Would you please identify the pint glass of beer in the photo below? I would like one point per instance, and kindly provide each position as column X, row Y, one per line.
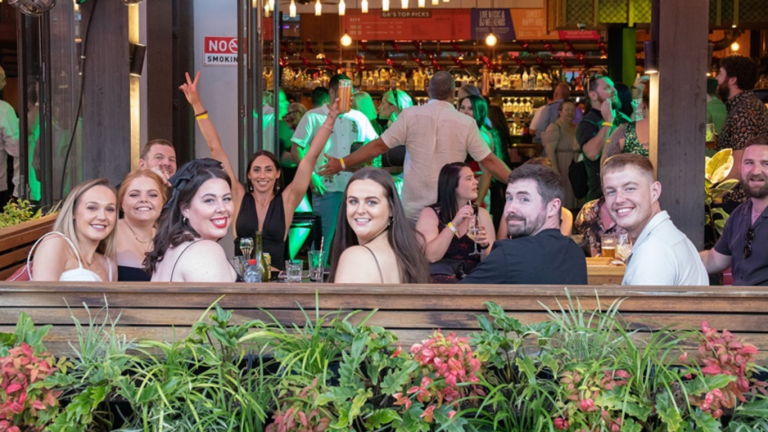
column 345, row 96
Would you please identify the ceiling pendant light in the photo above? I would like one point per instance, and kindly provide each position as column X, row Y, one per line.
column 342, row 8
column 491, row 39
column 435, row 2
column 364, row 6
column 266, row 10
column 404, row 4
column 385, row 5
column 346, row 40
column 318, row 8
column 422, row 3
column 271, row 5
column 292, row 9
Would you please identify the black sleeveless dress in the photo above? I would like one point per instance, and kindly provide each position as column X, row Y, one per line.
column 459, row 249
column 132, row 274
column 273, row 232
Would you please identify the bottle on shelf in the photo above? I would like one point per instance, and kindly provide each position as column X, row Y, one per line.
column 524, row 83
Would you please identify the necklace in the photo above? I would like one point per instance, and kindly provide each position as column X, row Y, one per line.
column 135, row 236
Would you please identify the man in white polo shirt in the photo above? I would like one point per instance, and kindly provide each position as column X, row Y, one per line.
column 350, row 127
column 661, row 254
column 434, row 134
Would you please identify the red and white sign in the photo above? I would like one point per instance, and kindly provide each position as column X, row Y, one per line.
column 220, row 51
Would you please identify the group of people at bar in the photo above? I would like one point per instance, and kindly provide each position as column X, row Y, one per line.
column 437, row 229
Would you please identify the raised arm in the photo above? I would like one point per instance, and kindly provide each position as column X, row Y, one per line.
column 306, row 167
column 614, row 145
column 210, row 135
column 361, row 156
column 551, row 138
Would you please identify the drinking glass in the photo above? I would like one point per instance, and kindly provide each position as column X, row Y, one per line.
column 345, row 96
column 608, row 245
column 316, row 265
column 473, row 232
column 623, row 246
column 293, row 270
column 239, row 263
column 246, row 246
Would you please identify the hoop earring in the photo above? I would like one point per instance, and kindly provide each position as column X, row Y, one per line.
column 184, row 221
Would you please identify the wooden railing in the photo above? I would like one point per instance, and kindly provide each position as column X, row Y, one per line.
column 15, row 242
column 160, row 310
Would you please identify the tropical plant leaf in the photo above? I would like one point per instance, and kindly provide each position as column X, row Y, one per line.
column 719, row 166
column 397, row 379
column 668, row 412
column 705, row 422
column 381, row 417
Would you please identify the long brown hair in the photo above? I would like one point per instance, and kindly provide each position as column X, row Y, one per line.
column 402, row 237
column 172, row 229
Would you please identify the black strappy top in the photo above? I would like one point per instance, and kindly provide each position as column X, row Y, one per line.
column 132, row 274
column 273, row 232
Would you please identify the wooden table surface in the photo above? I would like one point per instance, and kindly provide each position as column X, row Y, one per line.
column 600, row 271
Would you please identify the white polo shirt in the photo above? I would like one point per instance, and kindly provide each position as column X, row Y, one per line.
column 9, row 144
column 434, row 134
column 349, row 128
column 663, row 255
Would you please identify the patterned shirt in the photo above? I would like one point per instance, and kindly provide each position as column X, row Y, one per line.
column 747, row 118
column 589, row 224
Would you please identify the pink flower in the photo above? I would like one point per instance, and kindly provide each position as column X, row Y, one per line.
column 561, row 423
column 397, row 351
column 428, row 414
column 587, row 405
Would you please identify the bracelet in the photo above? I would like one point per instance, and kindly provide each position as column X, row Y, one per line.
column 609, row 124
column 453, row 228
column 481, row 247
column 327, row 127
column 203, row 114
column 343, row 165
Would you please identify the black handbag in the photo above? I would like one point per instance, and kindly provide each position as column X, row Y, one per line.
column 577, row 174
column 448, row 267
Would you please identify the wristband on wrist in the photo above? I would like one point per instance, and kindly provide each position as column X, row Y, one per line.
column 343, row 165
column 453, row 228
column 201, row 115
column 609, row 124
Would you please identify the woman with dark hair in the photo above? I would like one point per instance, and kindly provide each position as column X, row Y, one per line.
column 445, row 224
column 81, row 246
column 506, row 153
column 626, row 109
column 372, row 233
column 263, row 204
column 197, row 216
column 141, row 197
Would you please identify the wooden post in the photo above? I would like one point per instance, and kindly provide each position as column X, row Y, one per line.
column 678, row 111
column 159, row 70
column 106, row 148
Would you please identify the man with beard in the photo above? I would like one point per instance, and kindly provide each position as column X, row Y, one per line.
column 747, row 228
column 661, row 254
column 537, row 254
column 595, row 128
column 747, row 116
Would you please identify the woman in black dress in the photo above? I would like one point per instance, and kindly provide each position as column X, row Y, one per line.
column 262, row 204
column 141, row 198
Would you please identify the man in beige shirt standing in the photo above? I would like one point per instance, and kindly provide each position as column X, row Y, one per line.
column 434, row 134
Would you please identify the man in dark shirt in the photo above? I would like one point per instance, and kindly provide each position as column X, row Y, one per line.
column 742, row 245
column 747, row 116
column 537, row 254
column 595, row 127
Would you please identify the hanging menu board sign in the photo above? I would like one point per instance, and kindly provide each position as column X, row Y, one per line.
column 498, row 21
column 432, row 24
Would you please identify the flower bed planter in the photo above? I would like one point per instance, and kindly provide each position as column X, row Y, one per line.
column 15, row 242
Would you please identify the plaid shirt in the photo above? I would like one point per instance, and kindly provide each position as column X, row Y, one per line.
column 747, row 118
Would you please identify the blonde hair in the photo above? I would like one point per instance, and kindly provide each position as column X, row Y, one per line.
column 65, row 222
column 139, row 173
